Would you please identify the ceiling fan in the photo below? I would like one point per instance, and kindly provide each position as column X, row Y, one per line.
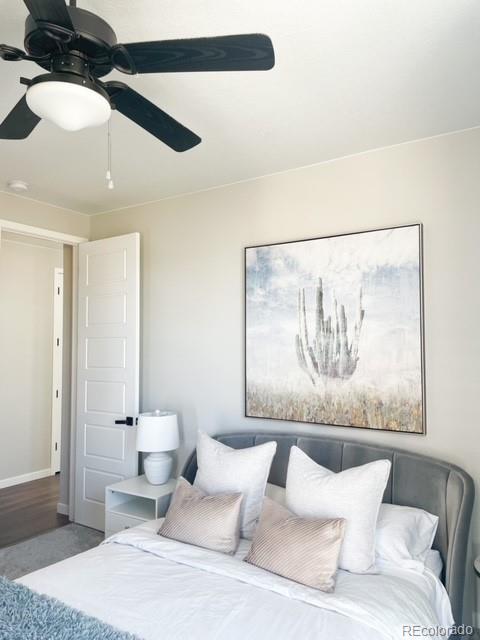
column 77, row 48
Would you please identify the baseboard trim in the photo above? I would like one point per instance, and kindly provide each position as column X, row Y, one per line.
column 63, row 509
column 26, row 477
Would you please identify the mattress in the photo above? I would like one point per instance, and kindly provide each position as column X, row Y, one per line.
column 159, row 588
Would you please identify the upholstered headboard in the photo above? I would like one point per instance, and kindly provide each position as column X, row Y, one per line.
column 417, row 481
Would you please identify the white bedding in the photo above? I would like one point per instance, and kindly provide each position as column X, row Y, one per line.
column 159, row 588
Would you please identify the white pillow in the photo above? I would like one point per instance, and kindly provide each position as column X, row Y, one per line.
column 354, row 494
column 222, row 469
column 405, row 535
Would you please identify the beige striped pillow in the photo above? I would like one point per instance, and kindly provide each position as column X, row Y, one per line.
column 300, row 549
column 212, row 522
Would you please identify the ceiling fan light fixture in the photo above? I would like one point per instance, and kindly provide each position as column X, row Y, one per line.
column 69, row 105
column 79, row 48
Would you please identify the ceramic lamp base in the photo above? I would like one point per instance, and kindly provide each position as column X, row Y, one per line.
column 158, row 467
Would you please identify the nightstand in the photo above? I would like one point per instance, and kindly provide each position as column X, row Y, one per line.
column 134, row 501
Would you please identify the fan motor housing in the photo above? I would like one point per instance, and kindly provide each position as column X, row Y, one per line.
column 94, row 38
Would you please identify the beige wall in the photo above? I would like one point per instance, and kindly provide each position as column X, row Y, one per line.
column 193, row 358
column 26, row 334
column 38, row 214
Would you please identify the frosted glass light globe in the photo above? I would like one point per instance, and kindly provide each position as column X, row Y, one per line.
column 69, row 106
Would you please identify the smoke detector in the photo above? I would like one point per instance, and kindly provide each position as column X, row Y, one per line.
column 19, row 186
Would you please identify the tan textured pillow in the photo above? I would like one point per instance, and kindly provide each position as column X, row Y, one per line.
column 212, row 522
column 300, row 549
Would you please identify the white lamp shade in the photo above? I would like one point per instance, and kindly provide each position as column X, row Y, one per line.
column 69, row 106
column 157, row 431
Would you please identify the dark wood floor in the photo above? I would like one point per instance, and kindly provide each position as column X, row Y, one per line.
column 28, row 509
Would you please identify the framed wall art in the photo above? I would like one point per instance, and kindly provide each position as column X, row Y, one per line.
column 334, row 330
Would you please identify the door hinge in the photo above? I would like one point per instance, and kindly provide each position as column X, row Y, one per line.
column 56, row 393
column 58, row 291
column 58, row 342
column 56, row 446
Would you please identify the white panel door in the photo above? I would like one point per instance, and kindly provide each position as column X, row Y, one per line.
column 108, row 370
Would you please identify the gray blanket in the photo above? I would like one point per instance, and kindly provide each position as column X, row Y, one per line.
column 27, row 615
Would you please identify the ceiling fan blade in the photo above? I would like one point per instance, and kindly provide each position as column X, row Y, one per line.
column 11, row 54
column 148, row 116
column 248, row 52
column 19, row 123
column 50, row 11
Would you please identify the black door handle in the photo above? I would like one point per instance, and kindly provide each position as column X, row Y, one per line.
column 128, row 421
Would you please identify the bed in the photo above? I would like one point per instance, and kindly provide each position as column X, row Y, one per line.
column 159, row 588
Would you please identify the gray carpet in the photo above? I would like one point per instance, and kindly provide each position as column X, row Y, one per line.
column 46, row 549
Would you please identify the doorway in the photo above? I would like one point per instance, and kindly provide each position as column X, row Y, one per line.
column 102, row 322
column 27, row 308
column 35, row 377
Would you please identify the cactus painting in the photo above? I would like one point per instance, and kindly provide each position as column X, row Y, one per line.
column 330, row 354
column 334, row 330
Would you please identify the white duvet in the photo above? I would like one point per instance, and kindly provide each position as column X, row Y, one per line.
column 162, row 589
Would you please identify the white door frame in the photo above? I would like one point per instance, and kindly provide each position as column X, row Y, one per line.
column 38, row 232
column 57, row 371
column 73, row 241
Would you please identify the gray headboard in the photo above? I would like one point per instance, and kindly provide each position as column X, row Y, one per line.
column 417, row 481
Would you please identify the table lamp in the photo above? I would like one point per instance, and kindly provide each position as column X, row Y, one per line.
column 157, row 433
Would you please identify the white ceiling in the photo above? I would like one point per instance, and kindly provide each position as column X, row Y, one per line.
column 349, row 76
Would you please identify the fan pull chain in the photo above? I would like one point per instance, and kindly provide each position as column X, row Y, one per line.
column 109, row 178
